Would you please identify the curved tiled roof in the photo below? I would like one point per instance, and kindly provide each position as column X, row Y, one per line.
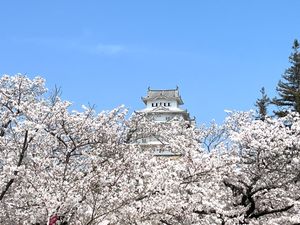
column 168, row 94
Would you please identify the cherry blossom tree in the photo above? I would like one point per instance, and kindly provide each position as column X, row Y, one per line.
column 59, row 166
column 181, row 190
column 80, row 167
column 264, row 185
column 72, row 165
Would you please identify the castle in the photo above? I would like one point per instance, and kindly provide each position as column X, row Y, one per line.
column 163, row 106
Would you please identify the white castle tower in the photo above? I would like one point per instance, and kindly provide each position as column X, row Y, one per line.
column 162, row 106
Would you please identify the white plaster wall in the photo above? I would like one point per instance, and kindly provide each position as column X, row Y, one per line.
column 173, row 104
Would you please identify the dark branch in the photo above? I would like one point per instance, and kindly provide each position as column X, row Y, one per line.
column 21, row 157
column 266, row 212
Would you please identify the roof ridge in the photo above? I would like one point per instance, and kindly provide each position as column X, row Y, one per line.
column 177, row 88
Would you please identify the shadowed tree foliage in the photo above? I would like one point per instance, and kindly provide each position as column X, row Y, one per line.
column 288, row 86
column 262, row 104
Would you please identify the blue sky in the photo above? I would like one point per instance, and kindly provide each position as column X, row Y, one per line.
column 107, row 53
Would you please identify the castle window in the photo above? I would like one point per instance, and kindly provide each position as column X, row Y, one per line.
column 156, row 104
column 169, row 104
column 152, row 104
column 165, row 104
column 160, row 103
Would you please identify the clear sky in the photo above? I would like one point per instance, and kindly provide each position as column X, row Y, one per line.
column 107, row 53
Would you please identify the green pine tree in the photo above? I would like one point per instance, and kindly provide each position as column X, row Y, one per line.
column 262, row 104
column 288, row 87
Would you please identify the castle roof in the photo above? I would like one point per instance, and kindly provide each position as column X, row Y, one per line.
column 168, row 94
column 166, row 110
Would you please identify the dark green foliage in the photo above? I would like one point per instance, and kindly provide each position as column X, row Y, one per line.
column 262, row 104
column 288, row 87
